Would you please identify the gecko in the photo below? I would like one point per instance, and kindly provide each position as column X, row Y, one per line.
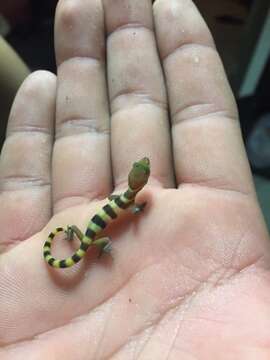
column 137, row 179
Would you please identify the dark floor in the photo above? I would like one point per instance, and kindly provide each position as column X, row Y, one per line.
column 263, row 193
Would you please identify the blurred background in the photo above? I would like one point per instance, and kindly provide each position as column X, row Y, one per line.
column 241, row 29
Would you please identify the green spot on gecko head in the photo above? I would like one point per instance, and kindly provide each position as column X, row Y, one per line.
column 139, row 174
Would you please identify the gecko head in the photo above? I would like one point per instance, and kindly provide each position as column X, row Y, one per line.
column 139, row 174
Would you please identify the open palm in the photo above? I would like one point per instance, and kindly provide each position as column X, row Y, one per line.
column 188, row 278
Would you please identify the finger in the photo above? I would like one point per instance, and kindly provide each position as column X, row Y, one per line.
column 207, row 141
column 25, row 189
column 81, row 155
column 139, row 124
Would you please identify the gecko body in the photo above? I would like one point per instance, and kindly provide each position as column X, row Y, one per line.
column 137, row 179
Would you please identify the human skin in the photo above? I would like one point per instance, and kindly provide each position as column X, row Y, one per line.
column 188, row 278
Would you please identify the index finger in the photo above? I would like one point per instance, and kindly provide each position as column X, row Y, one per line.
column 207, row 143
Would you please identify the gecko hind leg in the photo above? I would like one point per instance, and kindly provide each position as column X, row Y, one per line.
column 104, row 244
column 71, row 230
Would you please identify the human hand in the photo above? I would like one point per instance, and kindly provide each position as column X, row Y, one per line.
column 189, row 278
